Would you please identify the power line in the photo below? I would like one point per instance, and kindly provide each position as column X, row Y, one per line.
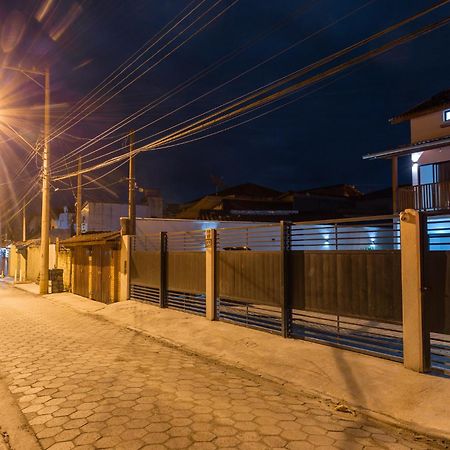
column 199, row 75
column 283, row 80
column 215, row 118
column 179, row 88
column 153, row 66
column 148, row 45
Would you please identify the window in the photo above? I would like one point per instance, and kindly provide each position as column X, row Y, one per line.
column 447, row 115
column 427, row 174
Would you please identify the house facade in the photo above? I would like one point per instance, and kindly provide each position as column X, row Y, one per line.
column 429, row 155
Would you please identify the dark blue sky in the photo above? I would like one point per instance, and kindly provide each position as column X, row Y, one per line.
column 317, row 140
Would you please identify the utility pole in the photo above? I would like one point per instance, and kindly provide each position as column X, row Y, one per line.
column 131, row 189
column 79, row 199
column 45, row 219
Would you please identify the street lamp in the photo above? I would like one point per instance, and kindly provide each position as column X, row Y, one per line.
column 45, row 217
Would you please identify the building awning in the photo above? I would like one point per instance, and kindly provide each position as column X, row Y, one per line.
column 422, row 146
column 89, row 239
column 29, row 243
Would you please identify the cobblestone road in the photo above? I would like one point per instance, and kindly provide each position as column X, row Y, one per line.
column 83, row 383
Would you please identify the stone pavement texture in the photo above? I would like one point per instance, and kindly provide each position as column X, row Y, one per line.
column 84, row 383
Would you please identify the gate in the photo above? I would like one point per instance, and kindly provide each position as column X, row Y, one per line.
column 437, row 283
column 337, row 283
column 81, row 271
column 185, row 271
column 345, row 284
column 249, row 277
column 145, row 267
column 168, row 269
column 102, row 263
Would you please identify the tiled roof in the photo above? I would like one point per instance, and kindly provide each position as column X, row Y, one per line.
column 435, row 103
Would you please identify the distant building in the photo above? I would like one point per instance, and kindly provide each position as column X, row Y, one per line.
column 251, row 202
column 65, row 220
column 103, row 216
column 429, row 153
column 246, row 202
column 61, row 224
column 324, row 202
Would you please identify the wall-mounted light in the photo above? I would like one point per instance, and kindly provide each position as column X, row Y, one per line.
column 416, row 156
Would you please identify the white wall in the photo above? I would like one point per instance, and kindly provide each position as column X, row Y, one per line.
column 147, row 226
column 429, row 126
column 106, row 216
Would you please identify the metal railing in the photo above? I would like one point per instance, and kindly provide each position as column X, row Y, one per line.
column 425, row 197
column 363, row 233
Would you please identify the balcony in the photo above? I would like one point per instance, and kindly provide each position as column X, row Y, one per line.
column 425, row 197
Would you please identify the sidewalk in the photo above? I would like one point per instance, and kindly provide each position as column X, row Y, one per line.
column 376, row 387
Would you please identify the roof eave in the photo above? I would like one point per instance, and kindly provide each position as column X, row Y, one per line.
column 412, row 115
column 387, row 154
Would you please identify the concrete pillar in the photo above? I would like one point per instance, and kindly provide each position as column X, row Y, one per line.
column 211, row 289
column 124, row 267
column 416, row 336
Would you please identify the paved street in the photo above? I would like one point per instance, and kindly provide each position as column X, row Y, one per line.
column 85, row 383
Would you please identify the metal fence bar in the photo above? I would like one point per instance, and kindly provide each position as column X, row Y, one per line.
column 286, row 306
column 163, row 270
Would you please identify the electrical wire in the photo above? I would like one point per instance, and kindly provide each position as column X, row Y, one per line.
column 215, row 118
column 270, row 86
column 152, row 66
column 215, row 65
column 148, row 45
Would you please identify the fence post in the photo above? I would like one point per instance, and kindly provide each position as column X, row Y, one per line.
column 416, row 336
column 286, row 307
column 163, row 270
column 211, row 290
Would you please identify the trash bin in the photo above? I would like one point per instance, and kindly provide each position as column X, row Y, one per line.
column 55, row 280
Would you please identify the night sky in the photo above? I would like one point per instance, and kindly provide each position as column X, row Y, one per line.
column 315, row 141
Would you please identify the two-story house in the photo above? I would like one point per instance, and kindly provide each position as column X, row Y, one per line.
column 429, row 153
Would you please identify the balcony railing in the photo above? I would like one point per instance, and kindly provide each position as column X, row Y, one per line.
column 425, row 197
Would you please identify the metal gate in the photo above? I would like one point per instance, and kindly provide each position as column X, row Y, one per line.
column 249, row 277
column 102, row 260
column 337, row 283
column 169, row 269
column 145, row 268
column 437, row 283
column 81, row 271
column 345, row 284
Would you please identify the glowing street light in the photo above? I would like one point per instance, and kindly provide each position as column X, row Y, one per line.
column 45, row 216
